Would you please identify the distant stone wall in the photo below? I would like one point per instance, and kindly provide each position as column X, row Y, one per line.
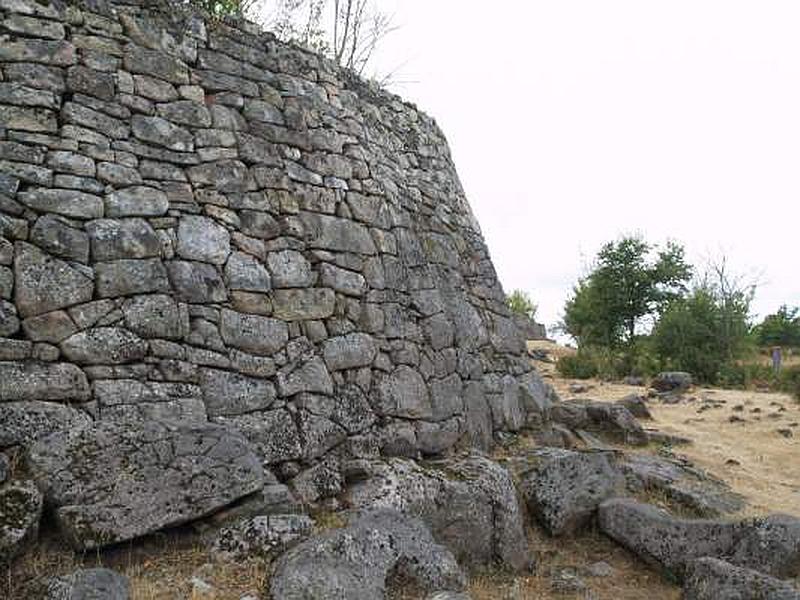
column 202, row 223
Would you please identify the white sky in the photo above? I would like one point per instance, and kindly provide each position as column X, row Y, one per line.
column 573, row 122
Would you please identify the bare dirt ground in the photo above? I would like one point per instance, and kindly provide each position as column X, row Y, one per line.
column 735, row 435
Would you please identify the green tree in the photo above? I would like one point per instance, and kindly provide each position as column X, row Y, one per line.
column 780, row 329
column 709, row 329
column 632, row 280
column 520, row 303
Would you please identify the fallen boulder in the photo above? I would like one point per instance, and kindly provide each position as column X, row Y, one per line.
column 469, row 503
column 770, row 544
column 89, row 584
column 20, row 512
column 564, row 488
column 713, row 579
column 361, row 560
column 662, row 540
column 636, row 405
column 110, row 482
column 672, row 381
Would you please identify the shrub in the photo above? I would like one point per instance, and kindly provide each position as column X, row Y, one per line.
column 790, row 380
column 577, row 366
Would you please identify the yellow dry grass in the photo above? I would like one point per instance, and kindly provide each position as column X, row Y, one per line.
column 751, row 456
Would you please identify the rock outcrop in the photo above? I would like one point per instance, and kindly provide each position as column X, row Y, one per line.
column 362, row 560
column 469, row 504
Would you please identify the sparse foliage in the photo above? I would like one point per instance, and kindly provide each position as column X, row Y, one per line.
column 521, row 303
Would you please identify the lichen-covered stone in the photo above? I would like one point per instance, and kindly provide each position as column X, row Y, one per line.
column 113, row 239
column 203, row 239
column 110, row 483
column 104, row 346
column 127, row 277
column 564, row 488
column 89, row 584
column 252, row 333
column 136, row 201
column 20, row 512
column 43, row 284
column 23, row 380
column 355, row 562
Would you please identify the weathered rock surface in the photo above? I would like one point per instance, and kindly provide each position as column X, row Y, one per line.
column 89, row 584
column 20, row 512
column 267, row 535
column 672, row 381
column 470, row 505
column 713, row 579
column 202, row 223
column 682, row 483
column 564, row 488
column 28, row 380
column 358, row 561
column 112, row 482
column 771, row 544
column 25, row 422
column 604, row 418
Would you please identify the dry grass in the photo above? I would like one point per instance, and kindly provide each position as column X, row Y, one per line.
column 751, row 456
column 630, row 579
column 160, row 567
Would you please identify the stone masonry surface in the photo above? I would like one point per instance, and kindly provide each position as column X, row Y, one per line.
column 201, row 223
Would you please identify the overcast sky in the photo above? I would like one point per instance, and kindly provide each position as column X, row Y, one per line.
column 574, row 122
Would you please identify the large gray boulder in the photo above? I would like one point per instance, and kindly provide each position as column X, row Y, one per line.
column 89, row 584
column 359, row 561
column 663, row 540
column 112, row 482
column 770, row 544
column 713, row 579
column 564, row 488
column 469, row 503
column 20, row 513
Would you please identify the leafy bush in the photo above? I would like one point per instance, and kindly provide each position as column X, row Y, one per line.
column 704, row 334
column 790, row 380
column 577, row 366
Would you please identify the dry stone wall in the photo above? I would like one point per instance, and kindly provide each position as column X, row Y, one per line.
column 201, row 223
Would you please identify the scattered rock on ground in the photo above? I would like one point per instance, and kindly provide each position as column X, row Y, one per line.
column 89, row 584
column 604, row 418
column 111, row 482
column 663, row 540
column 359, row 561
column 670, row 381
